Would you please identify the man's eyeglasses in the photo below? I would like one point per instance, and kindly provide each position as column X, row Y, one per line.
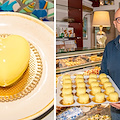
column 118, row 19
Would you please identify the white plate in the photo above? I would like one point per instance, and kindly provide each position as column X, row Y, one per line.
column 42, row 37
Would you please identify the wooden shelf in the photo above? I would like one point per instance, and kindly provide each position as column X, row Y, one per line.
column 87, row 9
column 108, row 7
column 66, row 38
column 105, row 7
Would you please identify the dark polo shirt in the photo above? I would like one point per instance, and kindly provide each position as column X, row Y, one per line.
column 111, row 60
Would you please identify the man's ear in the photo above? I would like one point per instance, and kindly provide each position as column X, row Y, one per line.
column 114, row 22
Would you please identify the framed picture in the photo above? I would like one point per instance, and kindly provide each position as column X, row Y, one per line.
column 102, row 2
column 85, row 28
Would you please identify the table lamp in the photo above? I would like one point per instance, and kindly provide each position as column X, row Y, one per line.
column 101, row 19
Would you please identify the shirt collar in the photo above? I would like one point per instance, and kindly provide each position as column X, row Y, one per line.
column 117, row 42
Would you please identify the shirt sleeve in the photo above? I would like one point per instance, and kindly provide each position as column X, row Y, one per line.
column 104, row 63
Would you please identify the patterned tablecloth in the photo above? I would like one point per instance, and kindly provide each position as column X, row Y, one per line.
column 40, row 9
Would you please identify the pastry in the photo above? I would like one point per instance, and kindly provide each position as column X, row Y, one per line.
column 113, row 96
column 80, row 84
column 99, row 97
column 104, row 79
column 66, row 91
column 67, row 81
column 68, row 99
column 93, row 75
column 81, row 91
column 90, row 80
column 79, row 76
column 79, row 80
column 14, row 59
column 107, row 84
column 102, row 75
column 109, row 90
column 83, row 98
column 67, row 85
column 66, row 76
column 99, row 117
column 95, row 90
column 94, row 84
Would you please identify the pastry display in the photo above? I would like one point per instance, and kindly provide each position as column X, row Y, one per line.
column 99, row 117
column 80, row 84
column 66, row 91
column 67, row 85
column 93, row 75
column 14, row 59
column 76, row 60
column 90, row 80
column 79, row 80
column 107, row 84
column 95, row 58
column 99, row 97
column 104, row 79
column 67, row 81
column 113, row 97
column 68, row 99
column 83, row 98
column 72, row 61
column 79, row 76
column 95, row 90
column 81, row 91
column 94, row 84
column 102, row 75
column 109, row 90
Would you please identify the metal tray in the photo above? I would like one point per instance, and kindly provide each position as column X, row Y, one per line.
column 59, row 87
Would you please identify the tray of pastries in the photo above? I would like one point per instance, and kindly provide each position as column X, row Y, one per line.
column 73, row 90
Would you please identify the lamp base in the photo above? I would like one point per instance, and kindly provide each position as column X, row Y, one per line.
column 101, row 38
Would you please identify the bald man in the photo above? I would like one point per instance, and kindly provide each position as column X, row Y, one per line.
column 111, row 64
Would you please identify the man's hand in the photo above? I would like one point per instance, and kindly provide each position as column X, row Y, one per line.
column 116, row 105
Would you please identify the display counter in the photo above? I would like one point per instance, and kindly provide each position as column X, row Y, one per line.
column 95, row 112
column 68, row 61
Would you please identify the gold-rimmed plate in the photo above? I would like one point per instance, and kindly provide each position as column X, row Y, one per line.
column 39, row 100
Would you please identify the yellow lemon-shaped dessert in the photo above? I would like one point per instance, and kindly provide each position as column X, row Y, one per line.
column 14, row 59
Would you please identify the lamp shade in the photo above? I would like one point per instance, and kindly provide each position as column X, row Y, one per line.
column 101, row 18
